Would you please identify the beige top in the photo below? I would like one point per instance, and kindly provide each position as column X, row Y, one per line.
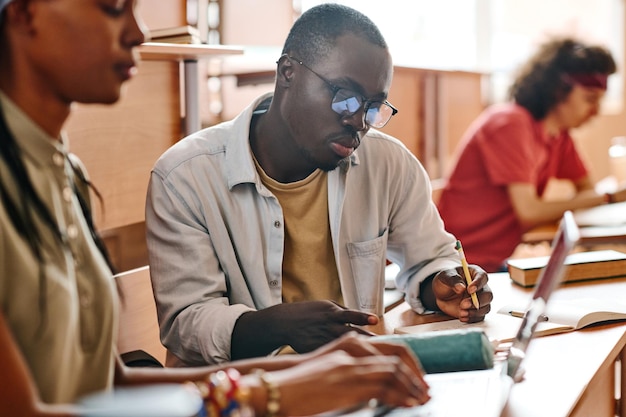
column 309, row 267
column 64, row 328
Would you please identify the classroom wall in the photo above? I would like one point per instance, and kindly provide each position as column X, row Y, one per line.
column 250, row 22
column 245, row 22
column 594, row 138
column 124, row 233
column 160, row 14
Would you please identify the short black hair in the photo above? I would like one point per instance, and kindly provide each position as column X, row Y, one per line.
column 541, row 83
column 314, row 33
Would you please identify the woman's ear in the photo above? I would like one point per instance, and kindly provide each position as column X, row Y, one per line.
column 19, row 14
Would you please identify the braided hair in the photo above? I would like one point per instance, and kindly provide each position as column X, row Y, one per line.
column 28, row 204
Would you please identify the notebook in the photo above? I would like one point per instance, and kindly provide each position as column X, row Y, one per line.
column 154, row 400
column 484, row 393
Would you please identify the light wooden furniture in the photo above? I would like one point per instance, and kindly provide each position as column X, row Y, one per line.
column 120, row 143
column 138, row 324
column 438, row 186
column 601, row 225
column 188, row 55
column 435, row 106
column 566, row 375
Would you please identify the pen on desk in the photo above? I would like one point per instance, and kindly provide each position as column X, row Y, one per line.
column 521, row 315
column 468, row 276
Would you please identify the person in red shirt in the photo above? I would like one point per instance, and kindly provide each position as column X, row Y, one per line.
column 494, row 191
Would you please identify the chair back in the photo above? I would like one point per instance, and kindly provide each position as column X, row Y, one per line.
column 138, row 326
column 437, row 186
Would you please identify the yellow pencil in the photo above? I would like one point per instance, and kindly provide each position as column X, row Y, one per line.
column 468, row 276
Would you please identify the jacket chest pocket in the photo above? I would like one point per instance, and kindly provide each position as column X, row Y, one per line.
column 368, row 261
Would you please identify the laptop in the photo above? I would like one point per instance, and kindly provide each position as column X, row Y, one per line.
column 484, row 393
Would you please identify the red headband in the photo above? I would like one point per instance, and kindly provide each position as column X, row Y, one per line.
column 594, row 79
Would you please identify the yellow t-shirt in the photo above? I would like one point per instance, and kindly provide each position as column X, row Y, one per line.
column 309, row 267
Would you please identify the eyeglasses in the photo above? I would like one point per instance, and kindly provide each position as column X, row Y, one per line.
column 347, row 102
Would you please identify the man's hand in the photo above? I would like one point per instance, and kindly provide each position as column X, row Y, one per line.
column 452, row 294
column 304, row 326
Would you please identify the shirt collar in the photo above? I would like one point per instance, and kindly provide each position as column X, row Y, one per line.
column 239, row 160
column 33, row 141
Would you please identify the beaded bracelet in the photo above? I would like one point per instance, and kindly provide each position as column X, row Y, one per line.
column 273, row 393
column 223, row 395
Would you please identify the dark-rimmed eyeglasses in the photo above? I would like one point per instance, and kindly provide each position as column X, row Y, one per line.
column 347, row 102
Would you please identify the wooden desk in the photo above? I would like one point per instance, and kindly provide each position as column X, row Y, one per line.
column 567, row 375
column 598, row 225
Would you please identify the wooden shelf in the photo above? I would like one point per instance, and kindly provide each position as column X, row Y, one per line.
column 156, row 51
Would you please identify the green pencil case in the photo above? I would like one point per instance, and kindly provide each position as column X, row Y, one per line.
column 448, row 350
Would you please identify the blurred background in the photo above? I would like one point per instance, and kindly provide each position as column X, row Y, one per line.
column 452, row 59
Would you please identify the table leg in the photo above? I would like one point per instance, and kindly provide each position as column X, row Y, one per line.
column 622, row 383
column 192, row 94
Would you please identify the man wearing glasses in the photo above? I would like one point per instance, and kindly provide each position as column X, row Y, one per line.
column 274, row 229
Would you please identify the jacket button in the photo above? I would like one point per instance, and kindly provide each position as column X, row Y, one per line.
column 58, row 159
column 67, row 194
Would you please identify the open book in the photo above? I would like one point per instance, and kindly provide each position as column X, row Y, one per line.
column 561, row 316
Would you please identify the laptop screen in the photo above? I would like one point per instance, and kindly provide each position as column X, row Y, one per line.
column 564, row 241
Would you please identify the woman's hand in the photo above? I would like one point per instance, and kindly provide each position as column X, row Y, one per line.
column 360, row 346
column 338, row 380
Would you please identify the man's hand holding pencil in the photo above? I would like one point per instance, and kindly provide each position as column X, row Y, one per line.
column 462, row 292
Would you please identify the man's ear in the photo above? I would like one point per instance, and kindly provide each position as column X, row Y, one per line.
column 284, row 72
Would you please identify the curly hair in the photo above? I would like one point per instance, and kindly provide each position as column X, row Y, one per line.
column 543, row 81
column 314, row 34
